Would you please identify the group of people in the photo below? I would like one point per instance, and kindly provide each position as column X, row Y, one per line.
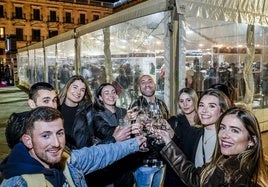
column 76, row 139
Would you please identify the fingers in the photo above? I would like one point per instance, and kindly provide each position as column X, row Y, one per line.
column 122, row 133
column 132, row 113
column 164, row 135
column 141, row 140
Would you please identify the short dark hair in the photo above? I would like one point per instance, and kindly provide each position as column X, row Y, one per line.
column 39, row 86
column 42, row 113
column 15, row 128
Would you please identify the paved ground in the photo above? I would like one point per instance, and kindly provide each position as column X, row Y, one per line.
column 12, row 99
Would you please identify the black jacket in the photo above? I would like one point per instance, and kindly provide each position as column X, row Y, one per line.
column 179, row 124
column 105, row 123
column 120, row 172
column 81, row 133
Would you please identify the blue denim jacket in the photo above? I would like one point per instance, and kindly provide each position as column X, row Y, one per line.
column 87, row 160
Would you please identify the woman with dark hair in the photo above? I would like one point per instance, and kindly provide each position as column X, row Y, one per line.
column 107, row 129
column 237, row 160
column 76, row 107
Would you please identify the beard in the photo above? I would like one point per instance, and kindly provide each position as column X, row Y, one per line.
column 148, row 94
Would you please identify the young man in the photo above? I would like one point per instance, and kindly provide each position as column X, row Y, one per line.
column 42, row 159
column 40, row 94
column 151, row 172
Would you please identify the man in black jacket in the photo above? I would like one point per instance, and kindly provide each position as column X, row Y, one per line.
column 40, row 94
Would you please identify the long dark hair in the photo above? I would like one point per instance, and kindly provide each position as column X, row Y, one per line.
column 252, row 158
column 98, row 104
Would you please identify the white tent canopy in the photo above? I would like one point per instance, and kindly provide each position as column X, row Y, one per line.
column 254, row 12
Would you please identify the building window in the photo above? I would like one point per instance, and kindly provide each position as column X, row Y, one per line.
column 53, row 16
column 36, row 36
column 18, row 12
column 2, row 33
column 36, row 14
column 68, row 17
column 19, row 34
column 2, row 15
column 82, row 19
column 52, row 33
column 96, row 17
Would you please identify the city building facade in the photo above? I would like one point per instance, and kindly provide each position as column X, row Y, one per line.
column 23, row 23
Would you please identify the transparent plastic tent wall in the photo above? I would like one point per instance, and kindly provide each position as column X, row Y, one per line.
column 175, row 43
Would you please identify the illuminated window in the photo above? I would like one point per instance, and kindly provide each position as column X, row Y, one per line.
column 2, row 32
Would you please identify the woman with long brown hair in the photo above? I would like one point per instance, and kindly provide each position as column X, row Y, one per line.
column 76, row 107
column 237, row 160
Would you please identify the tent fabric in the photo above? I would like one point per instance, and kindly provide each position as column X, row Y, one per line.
column 253, row 12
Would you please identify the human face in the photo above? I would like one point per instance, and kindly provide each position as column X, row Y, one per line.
column 186, row 103
column 233, row 136
column 47, row 142
column 46, row 98
column 209, row 111
column 108, row 96
column 147, row 86
column 75, row 93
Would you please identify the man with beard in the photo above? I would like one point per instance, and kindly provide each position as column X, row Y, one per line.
column 40, row 160
column 151, row 170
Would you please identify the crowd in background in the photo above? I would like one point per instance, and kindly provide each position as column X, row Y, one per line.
column 201, row 146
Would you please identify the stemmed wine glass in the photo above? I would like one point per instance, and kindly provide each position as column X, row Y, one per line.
column 143, row 119
column 158, row 122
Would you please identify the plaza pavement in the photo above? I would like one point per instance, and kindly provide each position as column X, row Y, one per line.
column 12, row 99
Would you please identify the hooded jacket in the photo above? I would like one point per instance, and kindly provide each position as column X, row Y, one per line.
column 80, row 162
column 15, row 165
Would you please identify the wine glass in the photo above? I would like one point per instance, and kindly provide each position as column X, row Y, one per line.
column 158, row 125
column 143, row 119
column 123, row 122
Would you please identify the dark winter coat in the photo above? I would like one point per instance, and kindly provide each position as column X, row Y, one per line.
column 81, row 133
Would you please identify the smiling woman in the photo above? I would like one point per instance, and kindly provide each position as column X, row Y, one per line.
column 238, row 159
column 76, row 109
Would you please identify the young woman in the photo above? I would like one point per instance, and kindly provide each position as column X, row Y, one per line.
column 106, row 128
column 237, row 159
column 187, row 102
column 76, row 107
column 198, row 143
